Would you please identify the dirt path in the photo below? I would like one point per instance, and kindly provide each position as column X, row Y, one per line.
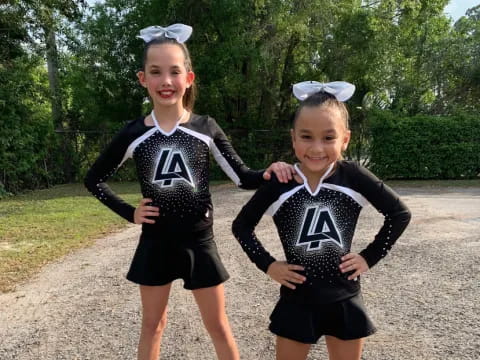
column 424, row 297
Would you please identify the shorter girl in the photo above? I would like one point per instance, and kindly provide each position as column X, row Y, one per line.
column 316, row 215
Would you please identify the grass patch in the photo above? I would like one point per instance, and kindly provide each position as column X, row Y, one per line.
column 40, row 226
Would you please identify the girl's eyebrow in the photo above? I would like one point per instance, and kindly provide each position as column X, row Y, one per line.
column 153, row 66
column 326, row 131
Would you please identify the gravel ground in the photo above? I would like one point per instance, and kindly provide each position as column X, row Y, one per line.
column 423, row 297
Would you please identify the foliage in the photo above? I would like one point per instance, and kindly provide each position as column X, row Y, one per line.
column 27, row 140
column 425, row 147
column 29, row 149
column 460, row 74
column 402, row 56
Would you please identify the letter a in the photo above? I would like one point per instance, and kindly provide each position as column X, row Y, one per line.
column 171, row 168
column 318, row 227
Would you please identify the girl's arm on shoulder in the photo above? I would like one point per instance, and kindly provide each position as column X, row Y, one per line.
column 283, row 171
column 244, row 177
column 103, row 168
column 243, row 227
column 388, row 203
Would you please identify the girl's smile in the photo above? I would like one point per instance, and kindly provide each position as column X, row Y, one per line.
column 165, row 94
column 166, row 77
column 319, row 137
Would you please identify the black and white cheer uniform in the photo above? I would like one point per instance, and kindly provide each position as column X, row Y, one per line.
column 316, row 228
column 173, row 170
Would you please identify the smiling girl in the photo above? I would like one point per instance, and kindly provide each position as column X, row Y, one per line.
column 171, row 148
column 316, row 214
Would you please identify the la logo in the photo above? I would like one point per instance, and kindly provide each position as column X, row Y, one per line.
column 171, row 167
column 317, row 228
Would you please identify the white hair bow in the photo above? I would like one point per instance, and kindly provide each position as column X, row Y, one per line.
column 342, row 90
column 179, row 32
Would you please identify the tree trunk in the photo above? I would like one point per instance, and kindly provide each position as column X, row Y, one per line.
column 285, row 87
column 52, row 65
column 56, row 100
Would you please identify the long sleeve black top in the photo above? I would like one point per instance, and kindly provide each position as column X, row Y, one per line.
column 173, row 170
column 316, row 227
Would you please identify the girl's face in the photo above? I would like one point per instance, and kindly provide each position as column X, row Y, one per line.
column 319, row 137
column 165, row 76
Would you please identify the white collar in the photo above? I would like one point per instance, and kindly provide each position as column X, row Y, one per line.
column 155, row 121
column 305, row 180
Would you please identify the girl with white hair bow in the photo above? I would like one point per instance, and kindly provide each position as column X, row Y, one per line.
column 316, row 214
column 171, row 148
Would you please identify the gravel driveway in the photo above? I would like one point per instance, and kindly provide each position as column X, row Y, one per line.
column 424, row 297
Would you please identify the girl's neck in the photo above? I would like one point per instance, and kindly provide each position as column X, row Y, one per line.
column 313, row 178
column 168, row 115
column 166, row 118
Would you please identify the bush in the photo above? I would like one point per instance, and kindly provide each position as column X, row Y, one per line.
column 424, row 147
column 28, row 145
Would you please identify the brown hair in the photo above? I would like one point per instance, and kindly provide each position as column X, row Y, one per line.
column 190, row 93
column 322, row 98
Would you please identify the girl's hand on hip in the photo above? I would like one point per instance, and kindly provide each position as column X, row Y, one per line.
column 284, row 273
column 144, row 210
column 353, row 262
column 283, row 171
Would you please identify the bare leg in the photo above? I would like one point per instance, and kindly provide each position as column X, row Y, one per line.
column 344, row 349
column 291, row 350
column 154, row 320
column 211, row 302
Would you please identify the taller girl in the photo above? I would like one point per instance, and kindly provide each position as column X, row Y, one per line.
column 171, row 149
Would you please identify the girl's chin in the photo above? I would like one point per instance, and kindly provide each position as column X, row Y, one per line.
column 314, row 169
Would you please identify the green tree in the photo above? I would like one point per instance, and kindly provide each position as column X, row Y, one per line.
column 401, row 55
column 460, row 76
column 29, row 147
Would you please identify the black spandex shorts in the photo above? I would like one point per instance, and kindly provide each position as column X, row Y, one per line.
column 346, row 320
column 192, row 257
